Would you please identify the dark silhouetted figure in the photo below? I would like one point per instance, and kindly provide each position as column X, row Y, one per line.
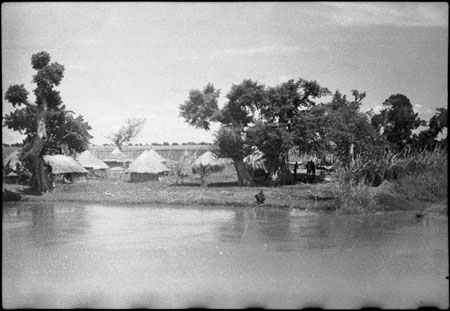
column 260, row 198
column 295, row 170
column 311, row 171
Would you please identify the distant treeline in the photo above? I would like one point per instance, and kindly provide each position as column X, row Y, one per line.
column 168, row 152
column 19, row 145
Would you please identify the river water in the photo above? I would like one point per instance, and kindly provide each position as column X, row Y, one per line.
column 71, row 256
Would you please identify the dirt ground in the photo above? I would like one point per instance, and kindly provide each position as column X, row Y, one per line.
column 220, row 190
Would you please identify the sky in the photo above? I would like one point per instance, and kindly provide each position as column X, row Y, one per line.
column 139, row 60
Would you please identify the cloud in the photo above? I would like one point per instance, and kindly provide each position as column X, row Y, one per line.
column 400, row 14
column 258, row 50
column 89, row 41
column 76, row 67
column 422, row 109
column 377, row 109
column 113, row 22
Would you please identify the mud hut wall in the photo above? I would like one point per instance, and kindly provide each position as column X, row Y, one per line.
column 115, row 174
column 142, row 177
column 123, row 165
column 76, row 177
column 96, row 172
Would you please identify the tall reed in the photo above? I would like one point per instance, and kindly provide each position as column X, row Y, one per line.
column 415, row 175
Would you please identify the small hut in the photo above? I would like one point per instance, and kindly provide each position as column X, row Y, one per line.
column 117, row 159
column 208, row 163
column 11, row 168
column 11, row 160
column 66, row 168
column 92, row 163
column 148, row 166
column 11, row 178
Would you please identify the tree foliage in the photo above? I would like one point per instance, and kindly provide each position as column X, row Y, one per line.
column 49, row 128
column 276, row 120
column 126, row 132
column 350, row 129
column 427, row 139
column 201, row 106
column 397, row 121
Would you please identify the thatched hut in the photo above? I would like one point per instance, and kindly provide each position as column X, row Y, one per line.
column 208, row 163
column 11, row 160
column 11, row 168
column 66, row 168
column 11, row 178
column 148, row 166
column 117, row 159
column 92, row 163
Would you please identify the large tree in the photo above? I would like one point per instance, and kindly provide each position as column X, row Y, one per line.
column 284, row 113
column 350, row 129
column 48, row 127
column 254, row 116
column 397, row 121
column 237, row 114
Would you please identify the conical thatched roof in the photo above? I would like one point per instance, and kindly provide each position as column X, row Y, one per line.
column 209, row 158
column 62, row 164
column 88, row 160
column 157, row 156
column 148, row 162
column 117, row 156
column 12, row 159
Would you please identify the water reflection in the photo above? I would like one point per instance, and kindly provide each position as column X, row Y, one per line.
column 57, row 253
column 44, row 222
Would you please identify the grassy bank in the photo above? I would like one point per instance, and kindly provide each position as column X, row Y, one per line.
column 347, row 194
column 108, row 191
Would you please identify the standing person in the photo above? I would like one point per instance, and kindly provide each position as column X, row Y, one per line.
column 313, row 171
column 295, row 171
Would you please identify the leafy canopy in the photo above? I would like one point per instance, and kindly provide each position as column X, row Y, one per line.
column 63, row 130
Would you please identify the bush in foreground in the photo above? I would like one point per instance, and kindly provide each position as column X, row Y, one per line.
column 415, row 176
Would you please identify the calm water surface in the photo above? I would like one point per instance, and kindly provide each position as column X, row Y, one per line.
column 71, row 255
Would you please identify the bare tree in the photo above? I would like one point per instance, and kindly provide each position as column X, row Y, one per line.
column 126, row 132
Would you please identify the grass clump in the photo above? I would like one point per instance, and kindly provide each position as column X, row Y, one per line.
column 414, row 176
column 426, row 176
column 351, row 190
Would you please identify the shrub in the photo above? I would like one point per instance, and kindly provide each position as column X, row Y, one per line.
column 351, row 192
column 416, row 175
column 426, row 177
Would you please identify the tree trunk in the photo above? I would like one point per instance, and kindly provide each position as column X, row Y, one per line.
column 40, row 178
column 285, row 174
column 350, row 153
column 280, row 172
column 244, row 177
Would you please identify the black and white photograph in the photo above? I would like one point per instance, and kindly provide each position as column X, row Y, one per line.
column 231, row 155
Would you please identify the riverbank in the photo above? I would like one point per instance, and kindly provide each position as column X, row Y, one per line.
column 318, row 196
column 109, row 191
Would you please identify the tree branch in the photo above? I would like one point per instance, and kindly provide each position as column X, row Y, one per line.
column 33, row 107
